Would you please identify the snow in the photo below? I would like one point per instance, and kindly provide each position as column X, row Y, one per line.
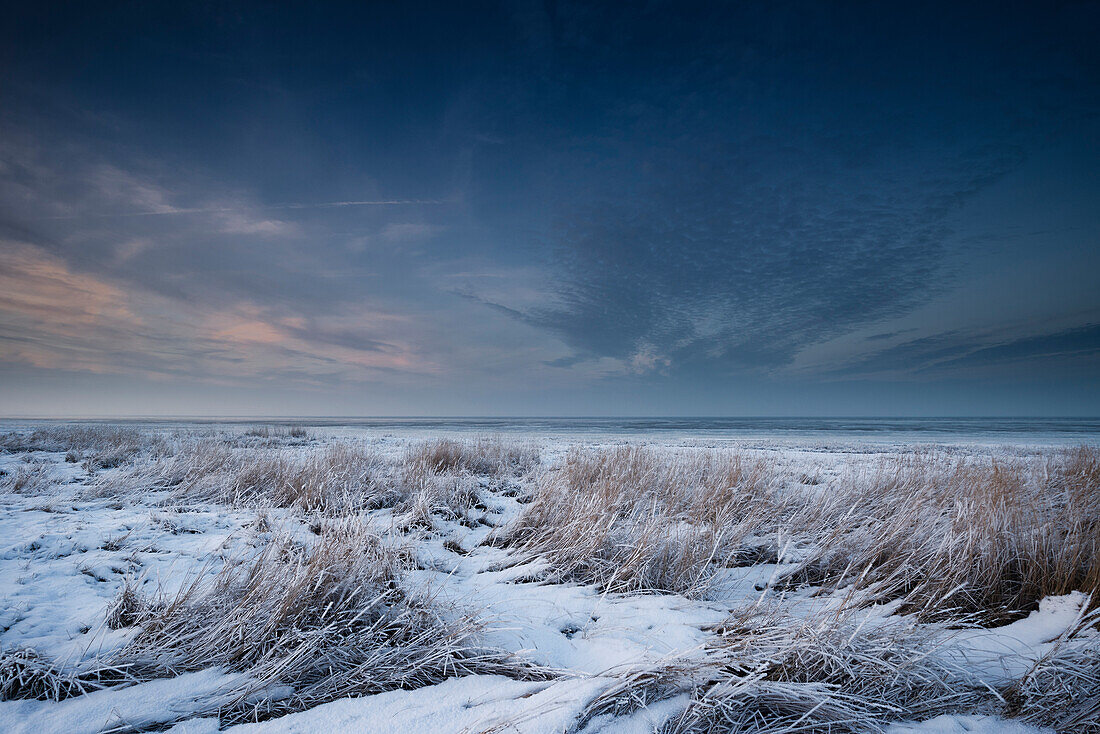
column 471, row 704
column 951, row 724
column 141, row 705
column 64, row 556
column 1003, row 654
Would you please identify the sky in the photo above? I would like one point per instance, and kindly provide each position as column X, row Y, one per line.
column 549, row 208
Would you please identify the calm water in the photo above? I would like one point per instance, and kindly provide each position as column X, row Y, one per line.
column 1038, row 431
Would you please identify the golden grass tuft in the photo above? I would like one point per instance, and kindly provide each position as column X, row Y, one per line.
column 955, row 538
column 484, row 456
column 952, row 538
column 632, row 519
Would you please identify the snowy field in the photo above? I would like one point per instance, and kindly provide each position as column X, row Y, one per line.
column 202, row 578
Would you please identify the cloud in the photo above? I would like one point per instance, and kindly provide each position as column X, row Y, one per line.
column 225, row 293
column 152, row 199
column 647, row 359
column 685, row 199
column 888, row 335
column 35, row 286
column 409, row 232
column 54, row 317
column 968, row 354
column 1082, row 341
column 49, row 315
column 743, row 263
column 238, row 223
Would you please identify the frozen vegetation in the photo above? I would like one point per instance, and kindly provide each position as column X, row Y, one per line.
column 269, row 579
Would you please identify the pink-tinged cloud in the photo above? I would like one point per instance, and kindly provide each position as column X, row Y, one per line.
column 249, row 332
column 37, row 287
column 53, row 317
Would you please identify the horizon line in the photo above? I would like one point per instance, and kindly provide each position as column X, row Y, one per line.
column 291, row 417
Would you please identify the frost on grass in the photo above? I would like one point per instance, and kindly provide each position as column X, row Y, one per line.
column 31, row 478
column 308, row 626
column 1062, row 689
column 847, row 669
column 278, row 432
column 954, row 538
column 301, row 572
column 633, row 519
column 432, row 478
column 839, row 670
column 341, row 477
column 25, row 674
column 102, row 445
column 486, row 456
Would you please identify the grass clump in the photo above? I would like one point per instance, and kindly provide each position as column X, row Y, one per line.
column 128, row 607
column 341, row 477
column 32, row 477
column 107, row 444
column 338, row 478
column 278, row 432
column 24, row 674
column 956, row 538
column 485, row 456
column 309, row 626
column 952, row 539
column 1062, row 689
column 632, row 519
column 446, row 496
column 838, row 671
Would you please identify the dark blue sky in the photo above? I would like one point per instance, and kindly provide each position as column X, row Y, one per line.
column 550, row 208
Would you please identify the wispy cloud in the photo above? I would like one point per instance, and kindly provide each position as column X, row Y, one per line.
column 169, row 211
column 55, row 317
column 968, row 354
column 231, row 297
column 685, row 200
column 741, row 264
column 398, row 232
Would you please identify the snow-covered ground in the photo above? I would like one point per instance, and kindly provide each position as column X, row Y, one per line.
column 74, row 535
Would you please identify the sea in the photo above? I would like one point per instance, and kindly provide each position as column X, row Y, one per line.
column 759, row 430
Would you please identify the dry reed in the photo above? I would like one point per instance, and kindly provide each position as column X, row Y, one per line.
column 309, row 626
column 632, row 519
